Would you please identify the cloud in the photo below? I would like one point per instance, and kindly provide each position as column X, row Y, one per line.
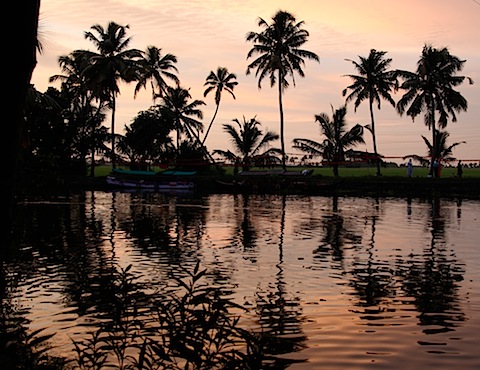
column 210, row 33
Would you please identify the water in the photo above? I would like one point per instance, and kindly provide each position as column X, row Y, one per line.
column 342, row 283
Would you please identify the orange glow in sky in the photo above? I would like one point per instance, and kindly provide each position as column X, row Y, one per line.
column 210, row 33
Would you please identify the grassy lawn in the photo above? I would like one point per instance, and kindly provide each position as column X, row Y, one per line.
column 447, row 172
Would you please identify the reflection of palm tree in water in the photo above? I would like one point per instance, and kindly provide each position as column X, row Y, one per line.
column 371, row 279
column 244, row 234
column 279, row 315
column 336, row 235
column 248, row 233
column 432, row 279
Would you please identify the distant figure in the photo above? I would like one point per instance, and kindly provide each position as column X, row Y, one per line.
column 436, row 168
column 410, row 168
column 459, row 169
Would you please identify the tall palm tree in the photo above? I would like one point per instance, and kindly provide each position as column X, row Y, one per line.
column 249, row 142
column 155, row 67
column 114, row 62
column 430, row 90
column 279, row 55
column 374, row 81
column 337, row 138
column 220, row 81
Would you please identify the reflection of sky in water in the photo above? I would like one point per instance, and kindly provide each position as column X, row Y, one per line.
column 354, row 281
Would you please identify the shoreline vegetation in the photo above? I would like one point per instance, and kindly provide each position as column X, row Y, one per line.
column 320, row 181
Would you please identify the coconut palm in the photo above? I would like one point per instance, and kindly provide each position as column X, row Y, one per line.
column 220, row 81
column 176, row 103
column 279, row 55
column 430, row 90
column 337, row 138
column 114, row 62
column 155, row 67
column 439, row 150
column 373, row 82
column 82, row 108
column 249, row 142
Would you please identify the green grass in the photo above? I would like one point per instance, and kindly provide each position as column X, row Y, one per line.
column 104, row 170
column 371, row 171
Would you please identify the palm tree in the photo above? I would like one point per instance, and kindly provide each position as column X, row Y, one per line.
column 176, row 103
column 374, row 81
column 279, row 55
column 337, row 138
column 114, row 62
column 430, row 90
column 222, row 80
column 81, row 99
column 72, row 78
column 154, row 67
column 440, row 150
column 249, row 142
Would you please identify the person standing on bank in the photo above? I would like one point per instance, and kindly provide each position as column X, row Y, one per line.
column 410, row 168
column 459, row 169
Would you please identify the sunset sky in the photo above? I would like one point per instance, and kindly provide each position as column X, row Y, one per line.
column 210, row 33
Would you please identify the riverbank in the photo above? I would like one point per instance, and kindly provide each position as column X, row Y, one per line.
column 382, row 186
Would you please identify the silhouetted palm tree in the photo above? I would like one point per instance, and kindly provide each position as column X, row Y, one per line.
column 249, row 142
column 114, row 62
column 337, row 138
column 82, row 108
column 374, row 81
column 279, row 55
column 442, row 151
column 222, row 80
column 154, row 67
column 430, row 90
column 176, row 103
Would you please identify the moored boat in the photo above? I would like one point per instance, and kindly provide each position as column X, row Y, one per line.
column 148, row 184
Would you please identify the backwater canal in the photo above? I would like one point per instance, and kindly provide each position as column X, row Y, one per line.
column 337, row 282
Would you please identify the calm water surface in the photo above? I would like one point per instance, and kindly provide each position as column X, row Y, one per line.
column 348, row 283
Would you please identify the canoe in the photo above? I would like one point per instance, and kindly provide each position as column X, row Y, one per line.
column 156, row 184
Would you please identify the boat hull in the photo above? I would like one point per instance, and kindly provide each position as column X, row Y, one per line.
column 149, row 184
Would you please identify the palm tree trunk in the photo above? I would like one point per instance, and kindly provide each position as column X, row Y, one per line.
column 434, row 145
column 93, row 120
column 374, row 137
column 435, row 155
column 335, row 170
column 92, row 164
column 210, row 125
column 178, row 137
column 113, row 131
column 280, row 105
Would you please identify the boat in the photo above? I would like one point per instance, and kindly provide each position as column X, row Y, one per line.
column 276, row 173
column 148, row 184
column 231, row 183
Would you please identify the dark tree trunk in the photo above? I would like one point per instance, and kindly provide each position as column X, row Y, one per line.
column 374, row 138
column 23, row 15
column 282, row 124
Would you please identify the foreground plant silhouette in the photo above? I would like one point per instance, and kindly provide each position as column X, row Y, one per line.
column 190, row 328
